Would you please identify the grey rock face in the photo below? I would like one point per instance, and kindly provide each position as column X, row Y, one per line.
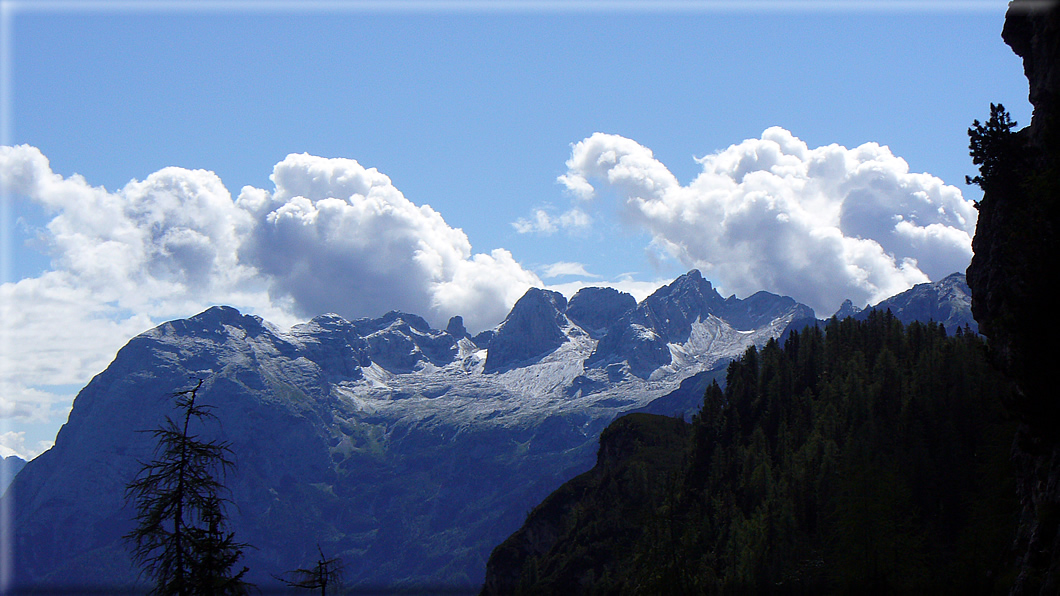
column 596, row 309
column 672, row 309
column 534, row 327
column 641, row 335
column 847, row 309
column 456, row 328
column 760, row 309
column 641, row 348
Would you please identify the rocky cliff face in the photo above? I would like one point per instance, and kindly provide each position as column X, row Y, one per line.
column 534, row 327
column 689, row 313
column 1011, row 277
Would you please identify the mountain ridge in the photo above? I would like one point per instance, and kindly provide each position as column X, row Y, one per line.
column 392, row 444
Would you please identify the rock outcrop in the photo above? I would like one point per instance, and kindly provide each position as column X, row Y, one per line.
column 1011, row 277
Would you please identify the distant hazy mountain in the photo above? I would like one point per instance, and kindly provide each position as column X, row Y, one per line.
column 408, row 451
column 9, row 466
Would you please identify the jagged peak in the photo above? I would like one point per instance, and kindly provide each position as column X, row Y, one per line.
column 847, row 309
column 329, row 323
column 218, row 314
column 456, row 327
column 947, row 301
column 328, row 320
column 534, row 327
column 693, row 281
column 538, row 295
column 210, row 322
column 415, row 321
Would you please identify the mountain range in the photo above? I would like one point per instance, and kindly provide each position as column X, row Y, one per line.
column 409, row 452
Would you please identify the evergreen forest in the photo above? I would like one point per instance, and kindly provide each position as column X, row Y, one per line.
column 861, row 457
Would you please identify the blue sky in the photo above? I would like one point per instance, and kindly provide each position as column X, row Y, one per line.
column 476, row 110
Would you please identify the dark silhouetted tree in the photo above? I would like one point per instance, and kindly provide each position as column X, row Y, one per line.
column 327, row 572
column 181, row 539
column 992, row 148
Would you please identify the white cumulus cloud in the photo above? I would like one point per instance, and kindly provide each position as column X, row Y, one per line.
column 14, row 443
column 819, row 224
column 337, row 237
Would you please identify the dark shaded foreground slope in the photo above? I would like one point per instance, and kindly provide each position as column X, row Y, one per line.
column 867, row 458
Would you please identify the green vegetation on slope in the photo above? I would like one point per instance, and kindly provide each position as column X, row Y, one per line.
column 867, row 457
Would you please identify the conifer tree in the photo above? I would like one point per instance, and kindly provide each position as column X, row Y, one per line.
column 327, row 572
column 992, row 149
column 181, row 539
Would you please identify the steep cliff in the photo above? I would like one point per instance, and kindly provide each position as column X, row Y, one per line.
column 1011, row 277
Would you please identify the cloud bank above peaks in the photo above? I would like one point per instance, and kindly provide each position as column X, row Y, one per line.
column 818, row 224
column 332, row 236
column 337, row 237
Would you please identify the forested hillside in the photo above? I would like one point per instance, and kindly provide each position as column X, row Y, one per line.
column 866, row 456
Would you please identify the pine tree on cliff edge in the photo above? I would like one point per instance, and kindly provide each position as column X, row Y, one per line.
column 992, row 149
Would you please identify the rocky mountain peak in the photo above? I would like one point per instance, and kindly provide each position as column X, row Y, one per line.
column 847, row 309
column 534, row 327
column 760, row 309
column 642, row 337
column 9, row 467
column 392, row 319
column 456, row 327
column 671, row 310
column 596, row 309
column 213, row 322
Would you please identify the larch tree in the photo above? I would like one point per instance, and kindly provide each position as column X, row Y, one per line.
column 181, row 539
